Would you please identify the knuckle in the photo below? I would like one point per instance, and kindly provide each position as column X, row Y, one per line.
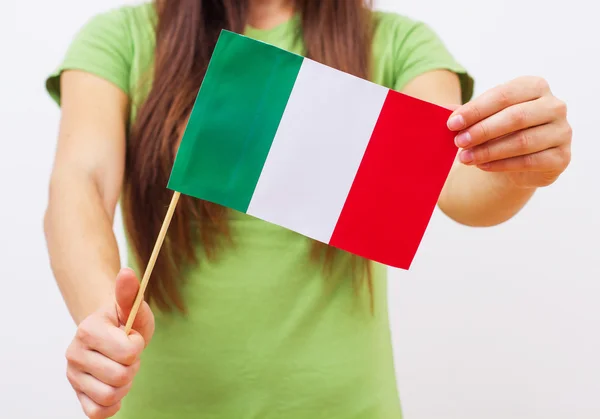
column 569, row 131
column 519, row 116
column 482, row 155
column 71, row 354
column 122, row 376
column 475, row 112
column 108, row 397
column 503, row 96
column 124, row 352
column 130, row 354
column 129, row 357
column 560, row 108
column 484, row 131
column 85, row 333
column 524, row 141
column 528, row 161
column 565, row 156
column 541, row 85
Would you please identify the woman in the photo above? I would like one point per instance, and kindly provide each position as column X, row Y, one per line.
column 252, row 320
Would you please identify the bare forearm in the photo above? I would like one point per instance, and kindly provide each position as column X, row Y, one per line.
column 477, row 198
column 81, row 244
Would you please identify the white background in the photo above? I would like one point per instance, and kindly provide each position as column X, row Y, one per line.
column 491, row 323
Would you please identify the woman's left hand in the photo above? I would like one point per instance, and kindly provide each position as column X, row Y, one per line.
column 519, row 129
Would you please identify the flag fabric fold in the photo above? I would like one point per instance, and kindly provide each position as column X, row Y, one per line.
column 315, row 150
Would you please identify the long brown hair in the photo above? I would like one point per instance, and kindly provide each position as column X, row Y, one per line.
column 335, row 32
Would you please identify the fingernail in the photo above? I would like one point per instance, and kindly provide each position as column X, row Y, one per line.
column 466, row 156
column 456, row 122
column 463, row 140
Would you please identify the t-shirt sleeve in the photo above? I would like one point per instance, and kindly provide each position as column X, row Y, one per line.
column 419, row 50
column 102, row 47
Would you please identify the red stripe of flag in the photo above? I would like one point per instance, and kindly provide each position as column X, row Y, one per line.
column 398, row 182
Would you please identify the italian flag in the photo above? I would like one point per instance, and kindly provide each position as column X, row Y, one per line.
column 315, row 150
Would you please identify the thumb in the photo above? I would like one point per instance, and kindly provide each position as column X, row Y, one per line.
column 126, row 290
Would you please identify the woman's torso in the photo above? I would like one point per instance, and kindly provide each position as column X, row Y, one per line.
column 268, row 335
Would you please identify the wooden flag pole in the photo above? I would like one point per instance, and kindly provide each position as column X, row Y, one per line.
column 159, row 241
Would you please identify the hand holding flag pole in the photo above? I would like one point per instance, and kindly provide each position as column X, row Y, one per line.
column 159, row 241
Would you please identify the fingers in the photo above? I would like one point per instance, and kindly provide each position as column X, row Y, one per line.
column 101, row 367
column 102, row 362
column 126, row 290
column 94, row 411
column 553, row 160
column 512, row 119
column 100, row 393
column 520, row 143
column 523, row 89
column 96, row 333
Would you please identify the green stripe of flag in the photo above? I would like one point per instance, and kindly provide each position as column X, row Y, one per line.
column 238, row 108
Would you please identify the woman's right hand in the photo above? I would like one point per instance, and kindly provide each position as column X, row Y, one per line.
column 102, row 359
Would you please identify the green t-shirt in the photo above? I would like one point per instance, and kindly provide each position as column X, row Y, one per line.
column 267, row 335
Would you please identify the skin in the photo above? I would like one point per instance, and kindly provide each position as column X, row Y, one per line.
column 84, row 188
column 514, row 139
column 519, row 140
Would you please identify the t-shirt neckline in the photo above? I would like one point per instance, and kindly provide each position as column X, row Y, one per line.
column 275, row 31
